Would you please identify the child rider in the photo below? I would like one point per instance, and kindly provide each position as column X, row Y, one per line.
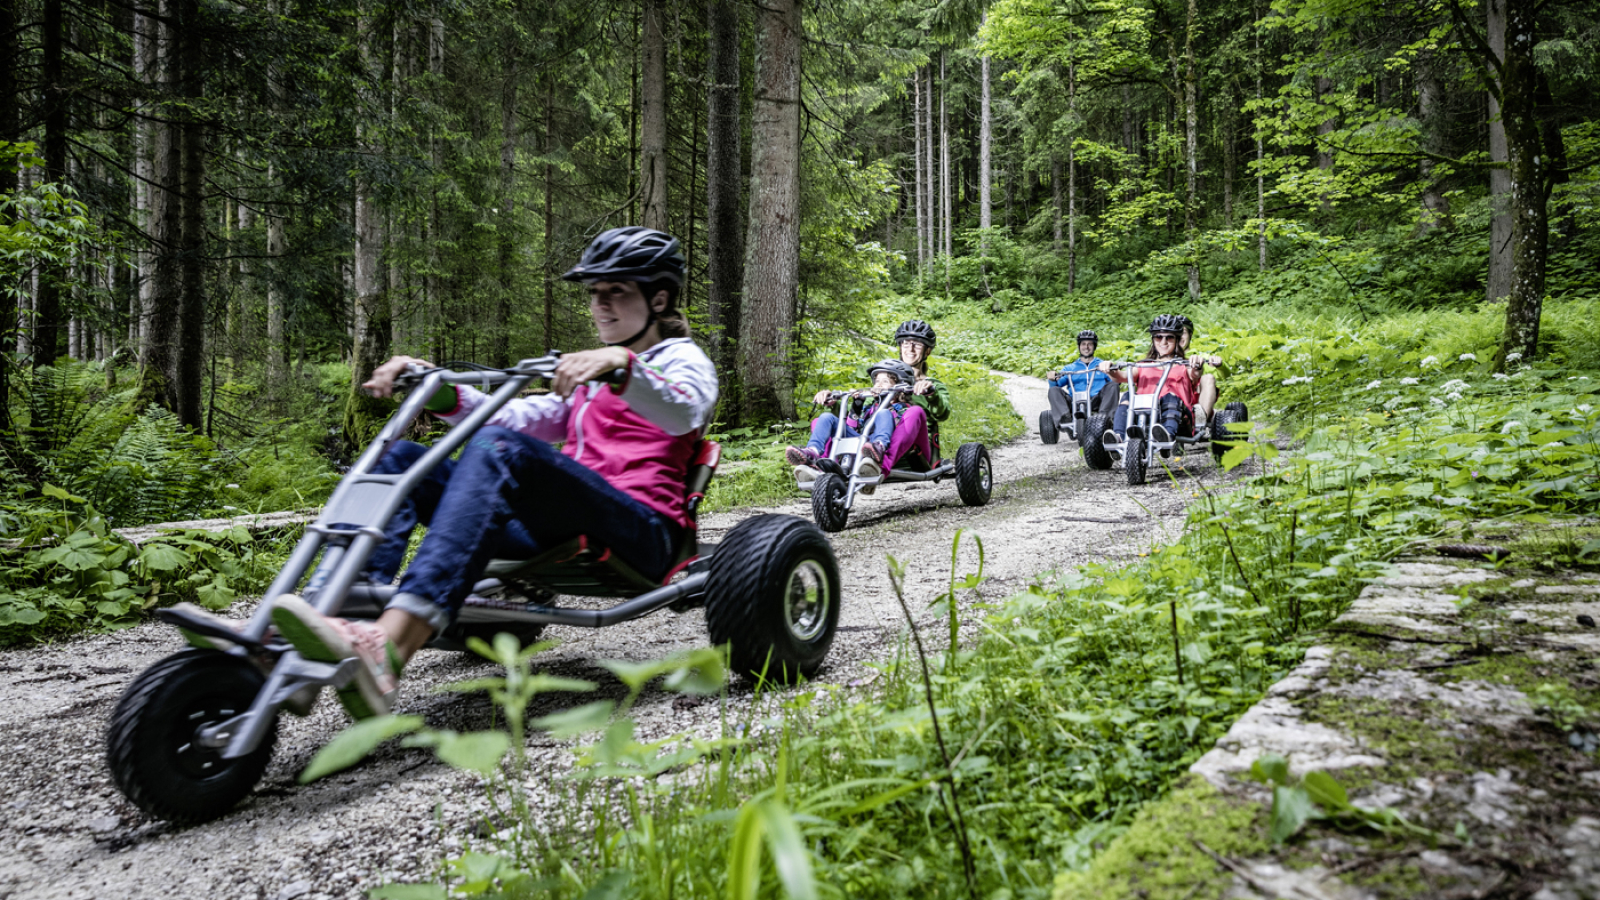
column 878, row 418
column 1177, row 397
column 1082, row 374
column 1206, row 388
column 617, row 478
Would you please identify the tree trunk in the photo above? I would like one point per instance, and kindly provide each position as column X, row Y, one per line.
column 1191, row 150
column 931, row 181
column 1056, row 243
column 370, row 319
column 653, row 115
column 1072, row 182
column 922, row 208
column 9, row 289
column 1430, row 97
column 1500, row 227
column 430, row 284
column 47, row 322
column 145, row 33
column 191, row 337
column 277, row 345
column 500, row 337
column 549, row 332
column 985, row 156
column 158, row 374
column 1261, row 177
column 944, row 166
column 1531, row 178
column 772, row 244
column 724, row 181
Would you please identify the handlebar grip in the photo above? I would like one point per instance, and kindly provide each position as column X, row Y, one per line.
column 615, row 376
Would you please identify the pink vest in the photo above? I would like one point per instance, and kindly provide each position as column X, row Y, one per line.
column 1178, row 383
column 635, row 456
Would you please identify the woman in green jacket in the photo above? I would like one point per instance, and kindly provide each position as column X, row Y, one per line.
column 916, row 437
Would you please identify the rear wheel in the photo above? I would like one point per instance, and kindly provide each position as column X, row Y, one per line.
column 1223, row 437
column 772, row 596
column 153, row 745
column 974, row 474
column 1133, row 460
column 827, row 502
column 1240, row 409
column 1049, row 433
column 1092, row 441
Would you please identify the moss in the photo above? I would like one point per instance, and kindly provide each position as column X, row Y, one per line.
column 1157, row 858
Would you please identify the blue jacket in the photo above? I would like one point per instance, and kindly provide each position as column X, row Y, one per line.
column 1085, row 377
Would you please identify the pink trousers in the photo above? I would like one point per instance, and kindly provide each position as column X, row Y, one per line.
column 910, row 434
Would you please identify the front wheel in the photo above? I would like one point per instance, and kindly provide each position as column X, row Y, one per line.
column 974, row 475
column 1223, row 437
column 772, row 596
column 1133, row 460
column 153, row 745
column 1095, row 454
column 1048, row 432
column 827, row 502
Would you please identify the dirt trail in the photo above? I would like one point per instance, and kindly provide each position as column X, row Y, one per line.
column 70, row 834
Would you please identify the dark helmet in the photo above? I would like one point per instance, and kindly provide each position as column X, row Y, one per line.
column 1166, row 323
column 1184, row 324
column 915, row 330
column 903, row 374
column 631, row 253
column 1088, row 336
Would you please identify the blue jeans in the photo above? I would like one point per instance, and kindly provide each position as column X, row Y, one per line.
column 1170, row 412
column 508, row 496
column 879, row 429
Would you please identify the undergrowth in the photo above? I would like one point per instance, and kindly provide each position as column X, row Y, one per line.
column 1090, row 692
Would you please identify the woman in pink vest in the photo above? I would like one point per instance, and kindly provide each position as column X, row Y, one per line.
column 618, row 476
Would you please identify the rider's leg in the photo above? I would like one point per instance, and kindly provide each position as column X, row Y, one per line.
column 910, row 435
column 514, row 495
column 417, row 508
column 1172, row 413
column 1106, row 401
column 1060, row 406
column 1119, row 421
column 1208, row 394
column 822, row 428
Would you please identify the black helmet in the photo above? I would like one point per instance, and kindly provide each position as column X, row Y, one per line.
column 1184, row 324
column 916, row 330
column 903, row 374
column 1088, row 336
column 1166, row 323
column 631, row 253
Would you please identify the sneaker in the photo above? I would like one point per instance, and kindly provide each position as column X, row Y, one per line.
column 800, row 456
column 1110, row 438
column 805, row 475
column 205, row 641
column 326, row 639
column 1159, row 434
column 1200, row 419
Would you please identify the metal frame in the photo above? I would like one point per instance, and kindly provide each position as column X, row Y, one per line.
column 1141, row 415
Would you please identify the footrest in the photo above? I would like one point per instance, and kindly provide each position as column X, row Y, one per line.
column 195, row 624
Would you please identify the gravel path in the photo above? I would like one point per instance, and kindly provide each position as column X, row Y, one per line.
column 70, row 833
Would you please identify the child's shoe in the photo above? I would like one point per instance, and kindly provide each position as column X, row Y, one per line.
column 1160, row 435
column 800, row 456
column 805, row 476
column 326, row 639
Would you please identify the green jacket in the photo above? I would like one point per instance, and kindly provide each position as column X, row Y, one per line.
column 937, row 404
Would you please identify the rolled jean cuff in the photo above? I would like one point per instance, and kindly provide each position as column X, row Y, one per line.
column 437, row 617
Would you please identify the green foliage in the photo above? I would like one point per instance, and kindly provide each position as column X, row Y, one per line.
column 1318, row 796
column 65, row 570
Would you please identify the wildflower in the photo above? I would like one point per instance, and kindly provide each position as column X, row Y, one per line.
column 1500, row 376
column 1454, row 384
column 1298, row 379
column 1454, row 395
column 1428, row 361
column 234, row 486
column 1436, row 401
column 1373, row 385
column 1506, row 428
column 1468, row 357
column 1513, row 356
column 1474, row 473
column 1584, row 407
column 1408, row 381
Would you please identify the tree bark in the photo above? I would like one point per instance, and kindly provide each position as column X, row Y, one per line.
column 932, row 177
column 506, row 220
column 944, row 166
column 653, row 115
column 921, row 191
column 549, row 212
column 277, row 344
column 1056, row 177
column 1261, row 177
column 1191, row 151
column 8, row 291
column 985, row 156
column 1531, row 178
column 724, row 181
column 1500, row 227
column 1072, row 181
column 191, row 337
column 1430, row 97
column 163, row 304
column 772, row 244
column 145, row 33
column 370, row 312
column 47, row 322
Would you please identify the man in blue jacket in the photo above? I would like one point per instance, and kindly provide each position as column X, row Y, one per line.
column 1078, row 376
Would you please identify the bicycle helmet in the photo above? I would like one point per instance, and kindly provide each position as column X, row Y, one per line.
column 916, row 330
column 903, row 374
column 630, row 253
column 1166, row 323
column 1088, row 336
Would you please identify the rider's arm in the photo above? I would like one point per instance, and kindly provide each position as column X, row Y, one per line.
column 938, row 400
column 543, row 417
column 674, row 386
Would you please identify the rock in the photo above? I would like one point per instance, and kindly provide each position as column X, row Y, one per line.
column 294, row 889
column 103, row 824
column 1586, row 621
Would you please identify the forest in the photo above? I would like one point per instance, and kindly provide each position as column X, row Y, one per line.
column 216, row 218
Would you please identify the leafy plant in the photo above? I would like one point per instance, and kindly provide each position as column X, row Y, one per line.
column 1318, row 796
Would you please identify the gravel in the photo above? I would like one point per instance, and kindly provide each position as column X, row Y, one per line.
column 69, row 832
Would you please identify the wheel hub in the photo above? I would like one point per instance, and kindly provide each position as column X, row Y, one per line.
column 807, row 600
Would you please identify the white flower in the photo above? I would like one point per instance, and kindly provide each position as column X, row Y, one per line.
column 230, row 507
column 1454, row 395
column 234, row 486
column 1408, row 381
column 1373, row 385
column 1454, row 384
column 1298, row 379
column 1584, row 407
column 1506, row 428
column 1468, row 357
column 1435, row 401
column 1500, row 376
column 1428, row 361
column 1513, row 356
